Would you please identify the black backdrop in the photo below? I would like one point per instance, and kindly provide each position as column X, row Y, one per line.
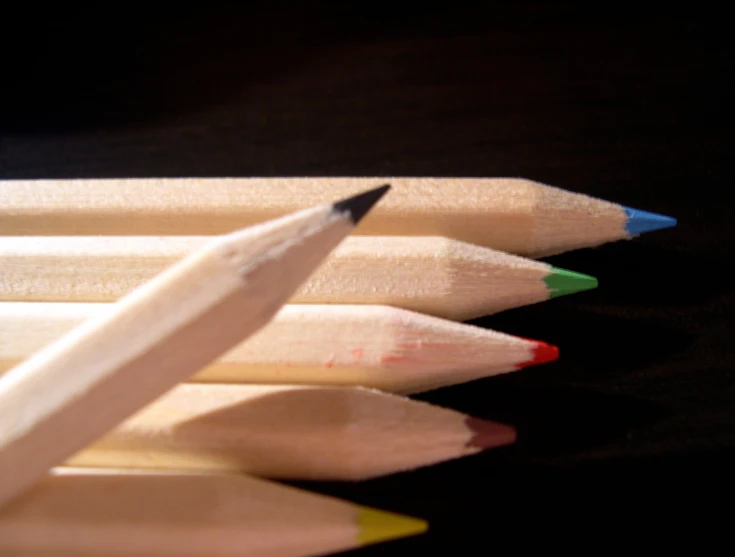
column 629, row 436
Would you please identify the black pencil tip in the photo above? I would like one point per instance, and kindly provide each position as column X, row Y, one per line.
column 360, row 204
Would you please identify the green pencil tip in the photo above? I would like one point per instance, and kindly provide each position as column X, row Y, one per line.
column 561, row 282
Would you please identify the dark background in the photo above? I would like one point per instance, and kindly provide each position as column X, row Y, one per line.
column 627, row 439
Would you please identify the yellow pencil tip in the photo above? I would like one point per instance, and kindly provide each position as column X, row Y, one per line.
column 380, row 526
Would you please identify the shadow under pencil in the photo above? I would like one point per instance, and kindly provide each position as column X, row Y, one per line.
column 634, row 273
column 551, row 421
column 591, row 345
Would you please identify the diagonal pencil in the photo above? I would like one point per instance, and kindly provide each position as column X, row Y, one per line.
column 509, row 214
column 433, row 275
column 291, row 432
column 124, row 514
column 374, row 346
column 80, row 387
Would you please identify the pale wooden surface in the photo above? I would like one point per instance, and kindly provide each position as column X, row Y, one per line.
column 433, row 275
column 100, row 373
column 291, row 432
column 509, row 214
column 174, row 515
column 373, row 346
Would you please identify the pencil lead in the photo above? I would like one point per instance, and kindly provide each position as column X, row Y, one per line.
column 379, row 526
column 643, row 221
column 542, row 353
column 561, row 282
column 488, row 435
column 358, row 205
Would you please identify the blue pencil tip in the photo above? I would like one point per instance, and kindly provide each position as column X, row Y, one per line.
column 643, row 221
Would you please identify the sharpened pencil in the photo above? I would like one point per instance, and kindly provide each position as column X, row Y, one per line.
column 434, row 275
column 91, row 379
column 509, row 214
column 118, row 514
column 374, row 346
column 291, row 432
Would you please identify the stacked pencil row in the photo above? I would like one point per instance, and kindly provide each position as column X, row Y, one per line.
column 382, row 312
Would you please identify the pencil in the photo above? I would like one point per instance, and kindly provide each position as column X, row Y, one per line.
column 433, row 275
column 509, row 214
column 291, row 432
column 118, row 514
column 91, row 379
column 374, row 346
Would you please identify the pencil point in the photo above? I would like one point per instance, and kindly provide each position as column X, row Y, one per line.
column 358, row 205
column 542, row 353
column 561, row 282
column 488, row 435
column 379, row 526
column 643, row 221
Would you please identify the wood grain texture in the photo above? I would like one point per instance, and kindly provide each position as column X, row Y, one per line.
column 291, row 432
column 124, row 514
column 372, row 346
column 89, row 380
column 513, row 215
column 432, row 275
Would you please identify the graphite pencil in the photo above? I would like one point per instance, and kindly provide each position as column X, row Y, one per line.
column 291, row 432
column 91, row 513
column 509, row 214
column 373, row 346
column 91, row 379
column 434, row 275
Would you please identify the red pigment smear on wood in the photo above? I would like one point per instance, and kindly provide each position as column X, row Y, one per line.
column 357, row 354
column 396, row 359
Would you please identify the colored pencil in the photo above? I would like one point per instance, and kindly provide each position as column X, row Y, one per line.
column 509, row 214
column 374, row 346
column 118, row 514
column 433, row 275
column 292, row 432
column 91, row 379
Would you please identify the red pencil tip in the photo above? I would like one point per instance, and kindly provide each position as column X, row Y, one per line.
column 542, row 353
column 488, row 435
